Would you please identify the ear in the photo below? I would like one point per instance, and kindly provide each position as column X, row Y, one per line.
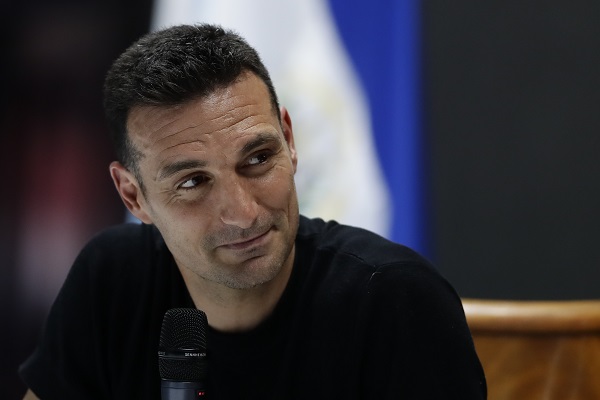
column 130, row 191
column 288, row 134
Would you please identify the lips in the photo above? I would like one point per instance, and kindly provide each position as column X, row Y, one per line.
column 244, row 244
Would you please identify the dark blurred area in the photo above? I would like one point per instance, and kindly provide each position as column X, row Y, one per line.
column 56, row 188
column 513, row 96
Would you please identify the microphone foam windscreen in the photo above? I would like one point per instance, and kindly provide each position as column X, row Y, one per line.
column 182, row 347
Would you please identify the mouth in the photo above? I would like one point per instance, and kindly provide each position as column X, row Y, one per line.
column 245, row 244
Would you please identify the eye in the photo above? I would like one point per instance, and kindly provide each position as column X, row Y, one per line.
column 193, row 182
column 258, row 159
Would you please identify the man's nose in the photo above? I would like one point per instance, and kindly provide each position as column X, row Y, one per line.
column 238, row 206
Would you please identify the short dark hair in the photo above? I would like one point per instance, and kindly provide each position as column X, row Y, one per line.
column 170, row 67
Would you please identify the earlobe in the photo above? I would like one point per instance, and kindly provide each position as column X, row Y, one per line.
column 288, row 134
column 130, row 191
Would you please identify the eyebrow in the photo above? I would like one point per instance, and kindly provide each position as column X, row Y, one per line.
column 177, row 166
column 260, row 140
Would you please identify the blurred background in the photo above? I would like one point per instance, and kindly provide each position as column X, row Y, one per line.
column 467, row 130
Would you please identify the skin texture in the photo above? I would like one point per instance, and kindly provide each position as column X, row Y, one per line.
column 218, row 178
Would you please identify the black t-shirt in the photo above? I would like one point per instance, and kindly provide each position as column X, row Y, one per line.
column 361, row 318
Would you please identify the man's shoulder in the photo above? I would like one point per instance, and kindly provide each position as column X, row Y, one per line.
column 373, row 263
column 124, row 239
column 358, row 243
column 118, row 249
column 126, row 233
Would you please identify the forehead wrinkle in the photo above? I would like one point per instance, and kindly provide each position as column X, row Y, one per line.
column 197, row 148
column 231, row 112
column 196, row 141
column 182, row 130
column 144, row 119
column 226, row 117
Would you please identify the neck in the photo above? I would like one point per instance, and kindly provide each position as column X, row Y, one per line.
column 236, row 310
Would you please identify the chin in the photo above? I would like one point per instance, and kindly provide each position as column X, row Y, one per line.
column 252, row 276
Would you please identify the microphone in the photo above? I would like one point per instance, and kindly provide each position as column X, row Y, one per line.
column 182, row 357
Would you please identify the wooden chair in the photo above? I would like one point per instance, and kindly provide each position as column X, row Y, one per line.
column 537, row 350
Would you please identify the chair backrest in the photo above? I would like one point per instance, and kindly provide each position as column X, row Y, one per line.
column 537, row 349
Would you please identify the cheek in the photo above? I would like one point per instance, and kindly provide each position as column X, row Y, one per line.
column 186, row 242
column 181, row 226
column 278, row 191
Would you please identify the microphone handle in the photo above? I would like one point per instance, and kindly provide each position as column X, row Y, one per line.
column 177, row 390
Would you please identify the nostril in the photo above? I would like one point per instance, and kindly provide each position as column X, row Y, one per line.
column 238, row 207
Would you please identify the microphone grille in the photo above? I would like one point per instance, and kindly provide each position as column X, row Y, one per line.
column 183, row 330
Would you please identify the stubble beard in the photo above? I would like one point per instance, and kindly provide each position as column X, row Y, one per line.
column 255, row 271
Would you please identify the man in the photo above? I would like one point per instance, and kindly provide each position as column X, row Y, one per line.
column 297, row 308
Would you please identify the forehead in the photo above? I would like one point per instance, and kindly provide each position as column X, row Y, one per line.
column 229, row 113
